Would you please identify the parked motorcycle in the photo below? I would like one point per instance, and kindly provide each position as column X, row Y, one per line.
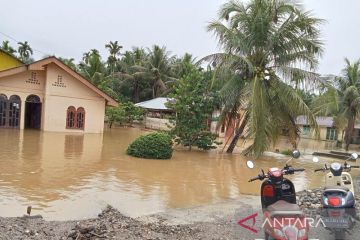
column 284, row 220
column 339, row 187
column 338, row 199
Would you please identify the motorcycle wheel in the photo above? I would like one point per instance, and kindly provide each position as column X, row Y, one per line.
column 339, row 235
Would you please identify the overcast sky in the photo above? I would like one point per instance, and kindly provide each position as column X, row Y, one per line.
column 69, row 28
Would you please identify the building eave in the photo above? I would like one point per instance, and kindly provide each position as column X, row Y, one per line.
column 41, row 64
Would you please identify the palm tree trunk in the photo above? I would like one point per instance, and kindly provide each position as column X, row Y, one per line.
column 349, row 131
column 237, row 135
column 136, row 92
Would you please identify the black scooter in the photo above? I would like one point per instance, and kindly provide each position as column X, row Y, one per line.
column 278, row 200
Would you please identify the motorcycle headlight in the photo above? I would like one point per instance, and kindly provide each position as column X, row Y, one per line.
column 279, row 233
column 302, row 233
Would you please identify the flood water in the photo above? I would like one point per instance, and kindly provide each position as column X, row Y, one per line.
column 66, row 176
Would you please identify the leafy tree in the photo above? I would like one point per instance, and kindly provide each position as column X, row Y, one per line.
column 7, row 48
column 266, row 43
column 342, row 99
column 25, row 51
column 125, row 113
column 193, row 104
column 115, row 115
column 133, row 113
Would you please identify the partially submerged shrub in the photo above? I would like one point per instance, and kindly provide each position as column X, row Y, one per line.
column 156, row 145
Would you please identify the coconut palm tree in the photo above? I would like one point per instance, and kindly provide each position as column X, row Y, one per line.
column 159, row 66
column 7, row 48
column 93, row 68
column 266, row 44
column 114, row 50
column 133, row 68
column 342, row 99
column 69, row 62
column 25, row 51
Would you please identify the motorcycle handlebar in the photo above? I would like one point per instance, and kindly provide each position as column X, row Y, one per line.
column 254, row 179
column 319, row 169
column 355, row 166
column 299, row 170
column 259, row 177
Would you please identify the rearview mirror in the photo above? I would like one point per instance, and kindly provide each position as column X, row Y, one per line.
column 250, row 164
column 315, row 159
column 354, row 156
column 296, row 154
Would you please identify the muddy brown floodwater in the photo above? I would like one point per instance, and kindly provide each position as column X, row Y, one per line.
column 64, row 176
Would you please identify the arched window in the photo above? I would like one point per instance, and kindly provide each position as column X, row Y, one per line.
column 70, row 117
column 14, row 111
column 3, row 109
column 75, row 119
column 80, row 118
column 33, row 99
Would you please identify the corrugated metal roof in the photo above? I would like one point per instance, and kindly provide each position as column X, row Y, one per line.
column 321, row 121
column 156, row 103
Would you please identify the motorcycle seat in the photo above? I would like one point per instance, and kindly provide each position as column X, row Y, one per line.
column 282, row 207
column 336, row 188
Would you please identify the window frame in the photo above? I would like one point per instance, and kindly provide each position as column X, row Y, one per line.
column 80, row 112
column 75, row 118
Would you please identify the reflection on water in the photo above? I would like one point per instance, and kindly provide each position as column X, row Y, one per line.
column 73, row 176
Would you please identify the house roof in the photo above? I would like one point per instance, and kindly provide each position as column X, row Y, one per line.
column 39, row 65
column 155, row 104
column 321, row 121
column 12, row 56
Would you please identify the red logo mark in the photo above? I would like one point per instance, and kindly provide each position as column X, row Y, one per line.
column 253, row 217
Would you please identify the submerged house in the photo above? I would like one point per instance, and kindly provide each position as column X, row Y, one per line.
column 157, row 113
column 50, row 96
column 327, row 129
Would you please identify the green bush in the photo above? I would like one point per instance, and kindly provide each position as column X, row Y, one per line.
column 156, row 145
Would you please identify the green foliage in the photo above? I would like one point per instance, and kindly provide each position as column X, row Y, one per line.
column 125, row 113
column 342, row 100
column 7, row 47
column 269, row 46
column 133, row 113
column 194, row 103
column 156, row 145
column 115, row 115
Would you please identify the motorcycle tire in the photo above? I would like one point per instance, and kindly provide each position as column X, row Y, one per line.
column 339, row 235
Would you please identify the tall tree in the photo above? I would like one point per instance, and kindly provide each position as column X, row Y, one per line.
column 25, row 51
column 266, row 43
column 342, row 99
column 69, row 62
column 7, row 48
column 133, row 68
column 193, row 103
column 114, row 50
column 159, row 65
